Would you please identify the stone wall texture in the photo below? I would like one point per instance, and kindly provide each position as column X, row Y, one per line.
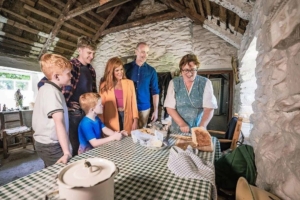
column 169, row 41
column 275, row 135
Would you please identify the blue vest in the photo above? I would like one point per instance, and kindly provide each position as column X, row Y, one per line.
column 189, row 107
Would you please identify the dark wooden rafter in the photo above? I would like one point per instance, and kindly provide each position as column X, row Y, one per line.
column 182, row 2
column 106, row 23
column 191, row 5
column 96, row 16
column 111, row 4
column 141, row 22
column 237, row 22
column 31, row 30
column 185, row 11
column 208, row 8
column 222, row 14
column 81, row 9
column 56, row 27
column 1, row 3
column 200, row 7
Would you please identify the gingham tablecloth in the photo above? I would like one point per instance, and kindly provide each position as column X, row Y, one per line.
column 143, row 175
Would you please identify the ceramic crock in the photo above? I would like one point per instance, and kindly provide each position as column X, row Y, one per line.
column 87, row 179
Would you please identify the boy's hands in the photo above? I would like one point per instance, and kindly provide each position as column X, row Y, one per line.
column 123, row 132
column 117, row 136
column 64, row 159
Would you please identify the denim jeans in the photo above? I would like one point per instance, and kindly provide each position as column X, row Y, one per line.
column 74, row 120
column 121, row 119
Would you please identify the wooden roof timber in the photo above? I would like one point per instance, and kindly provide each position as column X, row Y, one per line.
column 106, row 23
column 208, row 8
column 200, row 7
column 111, row 4
column 207, row 24
column 185, row 11
column 34, row 31
column 141, row 22
column 58, row 11
column 56, row 27
column 81, row 9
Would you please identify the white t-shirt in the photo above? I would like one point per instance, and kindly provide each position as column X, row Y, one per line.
column 209, row 99
column 49, row 101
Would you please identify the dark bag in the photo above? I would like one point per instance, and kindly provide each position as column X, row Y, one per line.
column 230, row 167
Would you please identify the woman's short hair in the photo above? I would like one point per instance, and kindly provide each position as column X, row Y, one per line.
column 53, row 64
column 85, row 41
column 88, row 101
column 187, row 59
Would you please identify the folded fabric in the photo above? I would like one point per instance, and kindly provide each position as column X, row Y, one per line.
column 186, row 164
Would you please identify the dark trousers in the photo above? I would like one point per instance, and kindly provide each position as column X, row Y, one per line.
column 74, row 120
column 121, row 119
column 49, row 153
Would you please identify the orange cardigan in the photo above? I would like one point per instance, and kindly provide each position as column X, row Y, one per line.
column 110, row 115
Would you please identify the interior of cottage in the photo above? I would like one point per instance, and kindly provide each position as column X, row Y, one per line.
column 248, row 49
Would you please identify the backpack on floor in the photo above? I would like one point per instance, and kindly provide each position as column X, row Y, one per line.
column 230, row 167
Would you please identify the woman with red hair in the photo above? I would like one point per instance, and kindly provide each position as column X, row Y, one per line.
column 118, row 98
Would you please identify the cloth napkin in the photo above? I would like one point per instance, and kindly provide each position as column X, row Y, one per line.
column 186, row 164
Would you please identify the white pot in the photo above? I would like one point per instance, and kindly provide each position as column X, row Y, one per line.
column 88, row 179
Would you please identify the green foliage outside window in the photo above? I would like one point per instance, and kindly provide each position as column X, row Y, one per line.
column 14, row 76
column 22, row 85
column 6, row 85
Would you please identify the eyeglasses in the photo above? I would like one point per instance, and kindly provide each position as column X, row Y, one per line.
column 186, row 71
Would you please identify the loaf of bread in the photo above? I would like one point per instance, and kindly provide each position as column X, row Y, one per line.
column 201, row 137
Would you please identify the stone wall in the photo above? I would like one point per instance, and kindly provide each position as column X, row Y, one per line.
column 275, row 135
column 169, row 41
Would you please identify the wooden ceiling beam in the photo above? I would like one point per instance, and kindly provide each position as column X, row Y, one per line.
column 111, row 4
column 141, row 22
column 185, row 11
column 59, row 2
column 97, row 25
column 200, row 7
column 1, row 3
column 11, row 46
column 43, row 14
column 242, row 8
column 29, row 2
column 77, row 30
column 82, row 25
column 237, row 22
column 96, row 16
column 208, row 8
column 19, row 44
column 192, row 5
column 56, row 27
column 223, row 17
column 49, row 6
column 182, row 2
column 20, row 39
column 81, row 9
column 107, row 22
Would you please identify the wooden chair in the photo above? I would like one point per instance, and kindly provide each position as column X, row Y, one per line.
column 229, row 138
column 12, row 126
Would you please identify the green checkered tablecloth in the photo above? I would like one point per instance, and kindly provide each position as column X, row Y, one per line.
column 143, row 175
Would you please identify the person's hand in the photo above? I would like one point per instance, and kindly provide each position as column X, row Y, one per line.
column 117, row 136
column 154, row 115
column 184, row 128
column 123, row 132
column 64, row 159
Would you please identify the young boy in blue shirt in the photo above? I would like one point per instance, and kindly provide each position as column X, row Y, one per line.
column 91, row 128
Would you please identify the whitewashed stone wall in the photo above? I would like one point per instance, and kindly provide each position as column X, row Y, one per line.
column 168, row 40
column 276, row 129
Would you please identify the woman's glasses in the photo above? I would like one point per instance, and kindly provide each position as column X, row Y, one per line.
column 186, row 71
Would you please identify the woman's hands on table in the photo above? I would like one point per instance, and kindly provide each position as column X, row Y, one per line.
column 184, row 128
